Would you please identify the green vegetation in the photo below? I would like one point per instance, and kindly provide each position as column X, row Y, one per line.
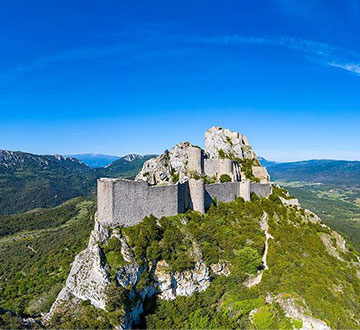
column 225, row 178
column 112, row 251
column 222, row 154
column 174, row 175
column 336, row 205
column 151, row 241
column 35, row 264
column 331, row 172
column 300, row 267
column 246, row 167
column 45, row 181
column 84, row 316
column 245, row 164
column 38, row 218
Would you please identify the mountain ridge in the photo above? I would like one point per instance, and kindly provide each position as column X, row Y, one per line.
column 29, row 181
column 327, row 171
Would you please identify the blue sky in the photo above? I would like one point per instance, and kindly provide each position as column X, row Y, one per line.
column 118, row 77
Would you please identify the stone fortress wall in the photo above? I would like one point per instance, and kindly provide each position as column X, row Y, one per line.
column 126, row 202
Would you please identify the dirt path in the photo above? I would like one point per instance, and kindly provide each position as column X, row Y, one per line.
column 264, row 227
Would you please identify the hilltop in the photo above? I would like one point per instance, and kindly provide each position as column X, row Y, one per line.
column 263, row 263
column 29, row 181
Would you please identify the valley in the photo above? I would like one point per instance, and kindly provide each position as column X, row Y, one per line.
column 337, row 205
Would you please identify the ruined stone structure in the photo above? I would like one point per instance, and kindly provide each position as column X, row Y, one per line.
column 154, row 191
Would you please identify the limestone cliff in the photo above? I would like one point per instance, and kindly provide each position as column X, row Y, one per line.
column 90, row 277
column 185, row 161
column 170, row 167
column 219, row 141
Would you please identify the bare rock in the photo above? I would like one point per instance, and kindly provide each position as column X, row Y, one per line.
column 219, row 140
column 87, row 280
column 160, row 170
column 290, row 202
column 300, row 312
column 184, row 283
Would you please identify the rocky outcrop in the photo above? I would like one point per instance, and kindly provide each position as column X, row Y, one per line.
column 219, row 140
column 290, row 202
column 173, row 284
column 226, row 152
column 221, row 268
column 300, row 312
column 170, row 167
column 261, row 173
column 88, row 277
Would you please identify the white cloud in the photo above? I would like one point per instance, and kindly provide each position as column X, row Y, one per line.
column 318, row 51
column 355, row 68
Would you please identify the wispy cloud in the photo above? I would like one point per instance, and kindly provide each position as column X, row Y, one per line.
column 348, row 67
column 317, row 51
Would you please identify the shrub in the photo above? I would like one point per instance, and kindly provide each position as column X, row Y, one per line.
column 222, row 154
column 265, row 318
column 225, row 178
column 248, row 260
column 116, row 297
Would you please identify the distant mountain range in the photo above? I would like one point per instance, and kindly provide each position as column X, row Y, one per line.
column 265, row 162
column 95, row 160
column 341, row 172
column 30, row 181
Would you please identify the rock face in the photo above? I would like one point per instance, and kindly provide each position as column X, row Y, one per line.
column 297, row 312
column 290, row 202
column 218, row 140
column 185, row 283
column 88, row 277
column 22, row 160
column 162, row 169
column 261, row 173
column 224, row 151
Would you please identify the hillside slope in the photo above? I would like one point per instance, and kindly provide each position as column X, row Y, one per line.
column 324, row 171
column 30, row 181
column 330, row 188
column 262, row 264
column 36, row 252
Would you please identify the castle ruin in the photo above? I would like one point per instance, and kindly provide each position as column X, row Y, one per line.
column 186, row 177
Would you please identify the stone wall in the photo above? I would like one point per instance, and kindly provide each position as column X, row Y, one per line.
column 217, row 167
column 196, row 159
column 261, row 189
column 197, row 195
column 223, row 192
column 127, row 202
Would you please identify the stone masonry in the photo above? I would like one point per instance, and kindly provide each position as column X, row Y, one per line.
column 175, row 181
